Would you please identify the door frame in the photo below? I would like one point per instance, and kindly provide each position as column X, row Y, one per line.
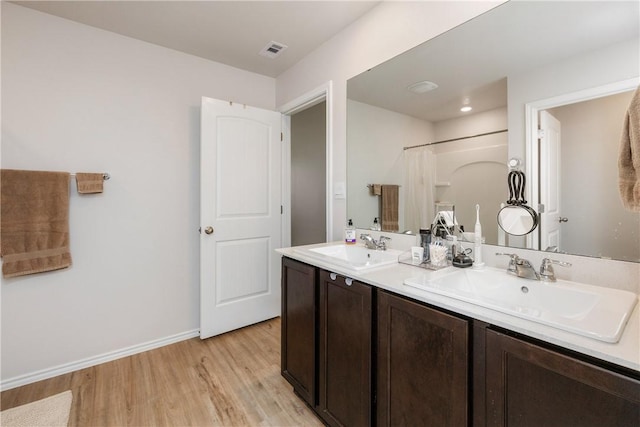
column 532, row 122
column 324, row 92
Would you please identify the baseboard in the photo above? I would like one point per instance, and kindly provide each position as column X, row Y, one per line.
column 96, row 360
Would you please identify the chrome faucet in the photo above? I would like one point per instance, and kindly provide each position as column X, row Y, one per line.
column 371, row 243
column 546, row 269
column 520, row 267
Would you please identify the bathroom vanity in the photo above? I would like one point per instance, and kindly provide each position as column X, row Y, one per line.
column 363, row 348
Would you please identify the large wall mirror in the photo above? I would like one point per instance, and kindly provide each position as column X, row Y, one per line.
column 577, row 62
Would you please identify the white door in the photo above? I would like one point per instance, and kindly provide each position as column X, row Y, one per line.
column 240, row 199
column 550, row 132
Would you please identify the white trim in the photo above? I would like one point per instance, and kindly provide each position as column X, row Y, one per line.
column 586, row 94
column 323, row 92
column 286, row 181
column 531, row 165
column 95, row 360
column 531, row 111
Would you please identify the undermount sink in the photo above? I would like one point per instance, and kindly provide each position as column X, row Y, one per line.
column 592, row 311
column 355, row 257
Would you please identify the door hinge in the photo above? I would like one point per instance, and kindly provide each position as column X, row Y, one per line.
column 281, row 210
column 541, row 208
column 281, row 137
column 540, row 133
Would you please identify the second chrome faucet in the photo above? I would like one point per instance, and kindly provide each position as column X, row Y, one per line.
column 522, row 268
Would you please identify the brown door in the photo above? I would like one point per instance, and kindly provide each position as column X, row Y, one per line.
column 345, row 351
column 423, row 362
column 299, row 327
column 528, row 385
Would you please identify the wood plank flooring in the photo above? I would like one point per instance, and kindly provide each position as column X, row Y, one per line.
column 229, row 380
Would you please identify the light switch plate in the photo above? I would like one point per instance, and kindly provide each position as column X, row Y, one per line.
column 339, row 190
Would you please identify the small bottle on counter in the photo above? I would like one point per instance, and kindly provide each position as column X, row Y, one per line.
column 350, row 233
column 452, row 246
column 376, row 224
column 425, row 241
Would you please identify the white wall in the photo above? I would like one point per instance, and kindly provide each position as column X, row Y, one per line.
column 468, row 125
column 76, row 98
column 376, row 156
column 386, row 31
column 475, row 167
column 308, row 176
column 613, row 64
column 591, row 133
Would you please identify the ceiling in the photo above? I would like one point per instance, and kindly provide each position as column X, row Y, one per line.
column 473, row 60
column 229, row 32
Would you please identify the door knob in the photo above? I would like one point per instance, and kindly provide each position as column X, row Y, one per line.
column 209, row 230
column 563, row 219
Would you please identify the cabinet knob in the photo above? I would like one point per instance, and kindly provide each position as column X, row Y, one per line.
column 348, row 281
column 333, row 276
column 209, row 230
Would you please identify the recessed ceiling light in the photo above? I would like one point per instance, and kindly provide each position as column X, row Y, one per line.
column 422, row 87
column 465, row 105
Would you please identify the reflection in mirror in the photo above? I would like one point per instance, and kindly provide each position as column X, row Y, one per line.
column 496, row 63
column 581, row 214
column 467, row 172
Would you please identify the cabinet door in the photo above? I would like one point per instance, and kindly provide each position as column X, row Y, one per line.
column 345, row 351
column 298, row 338
column 423, row 365
column 528, row 385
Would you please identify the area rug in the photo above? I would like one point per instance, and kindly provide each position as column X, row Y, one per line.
column 52, row 411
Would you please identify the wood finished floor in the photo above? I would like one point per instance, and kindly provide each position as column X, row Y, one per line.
column 229, row 380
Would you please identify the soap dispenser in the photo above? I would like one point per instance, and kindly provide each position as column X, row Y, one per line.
column 350, row 233
column 376, row 225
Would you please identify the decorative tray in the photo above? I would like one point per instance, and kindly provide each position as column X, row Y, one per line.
column 406, row 258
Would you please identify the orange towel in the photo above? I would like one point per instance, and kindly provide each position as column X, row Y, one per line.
column 34, row 230
column 89, row 183
column 390, row 208
column 629, row 157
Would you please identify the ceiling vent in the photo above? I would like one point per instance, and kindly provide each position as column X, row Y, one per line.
column 422, row 87
column 273, row 49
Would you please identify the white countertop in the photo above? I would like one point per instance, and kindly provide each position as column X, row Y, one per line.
column 625, row 352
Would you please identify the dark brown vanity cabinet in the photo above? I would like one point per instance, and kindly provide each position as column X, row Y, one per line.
column 345, row 351
column 298, row 338
column 361, row 356
column 326, row 342
column 422, row 365
column 529, row 385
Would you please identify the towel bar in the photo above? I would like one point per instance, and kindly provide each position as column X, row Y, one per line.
column 371, row 185
column 105, row 176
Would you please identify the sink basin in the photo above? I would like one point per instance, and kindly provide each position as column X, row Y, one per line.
column 354, row 257
column 592, row 311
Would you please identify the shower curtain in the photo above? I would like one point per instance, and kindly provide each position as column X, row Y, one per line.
column 419, row 181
